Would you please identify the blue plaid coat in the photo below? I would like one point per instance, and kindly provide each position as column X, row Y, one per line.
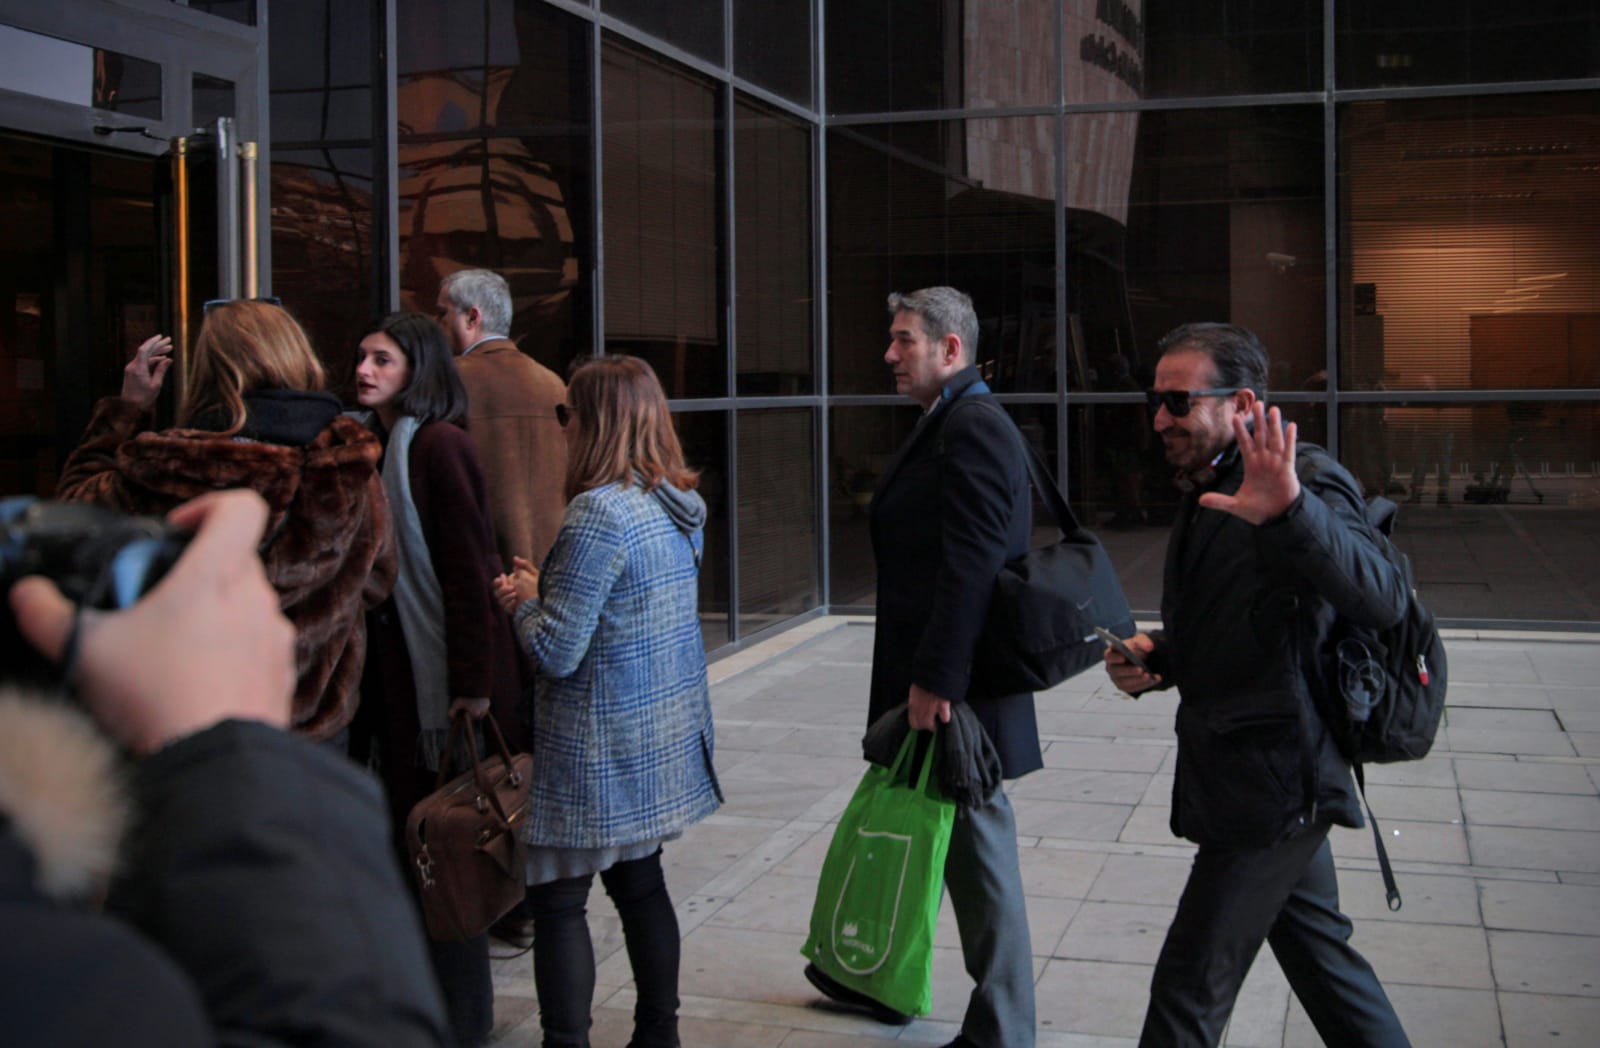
column 622, row 738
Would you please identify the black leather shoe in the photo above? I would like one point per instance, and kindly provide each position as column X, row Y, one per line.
column 854, row 998
column 513, row 931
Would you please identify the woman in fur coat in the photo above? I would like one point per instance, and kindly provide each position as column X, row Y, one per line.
column 442, row 647
column 256, row 417
column 622, row 736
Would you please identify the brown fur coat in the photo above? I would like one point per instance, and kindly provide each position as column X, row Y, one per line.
column 329, row 547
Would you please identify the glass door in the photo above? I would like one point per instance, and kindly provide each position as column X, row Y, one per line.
column 102, row 250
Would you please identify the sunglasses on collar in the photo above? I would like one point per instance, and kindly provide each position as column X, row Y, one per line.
column 1179, row 402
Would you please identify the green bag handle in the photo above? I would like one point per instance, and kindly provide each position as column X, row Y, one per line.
column 907, row 748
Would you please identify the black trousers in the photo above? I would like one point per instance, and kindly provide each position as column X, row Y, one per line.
column 1288, row 895
column 563, row 953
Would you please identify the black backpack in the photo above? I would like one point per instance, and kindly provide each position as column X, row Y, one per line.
column 1392, row 681
column 1384, row 692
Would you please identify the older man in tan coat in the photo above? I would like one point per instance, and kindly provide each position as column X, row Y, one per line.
column 511, row 414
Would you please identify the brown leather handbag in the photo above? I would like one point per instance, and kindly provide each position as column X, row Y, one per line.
column 465, row 839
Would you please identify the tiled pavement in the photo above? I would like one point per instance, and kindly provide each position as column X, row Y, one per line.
column 1495, row 837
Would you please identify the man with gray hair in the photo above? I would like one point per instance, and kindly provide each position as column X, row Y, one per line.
column 511, row 414
column 950, row 510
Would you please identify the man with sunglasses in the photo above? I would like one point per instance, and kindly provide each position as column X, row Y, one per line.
column 1269, row 547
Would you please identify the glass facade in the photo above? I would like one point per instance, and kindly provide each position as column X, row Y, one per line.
column 1400, row 199
column 1094, row 172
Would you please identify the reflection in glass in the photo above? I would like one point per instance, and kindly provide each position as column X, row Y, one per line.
column 772, row 230
column 899, row 55
column 969, row 203
column 321, row 244
column 322, row 185
column 491, row 64
column 772, row 46
column 495, row 204
column 704, row 436
column 1217, row 215
column 321, row 75
column 124, row 84
column 517, row 202
column 1384, row 44
column 777, row 517
column 1500, row 502
column 1469, row 228
column 1227, row 47
column 862, row 443
column 662, row 197
column 694, row 25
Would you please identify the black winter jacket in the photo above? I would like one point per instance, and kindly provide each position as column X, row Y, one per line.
column 260, row 904
column 1246, row 612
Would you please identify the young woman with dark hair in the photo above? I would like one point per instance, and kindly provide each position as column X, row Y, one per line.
column 442, row 647
column 622, row 737
column 255, row 416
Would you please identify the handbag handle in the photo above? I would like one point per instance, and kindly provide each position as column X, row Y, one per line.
column 460, row 724
column 909, row 747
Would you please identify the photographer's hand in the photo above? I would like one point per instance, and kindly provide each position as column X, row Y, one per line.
column 207, row 644
column 142, row 378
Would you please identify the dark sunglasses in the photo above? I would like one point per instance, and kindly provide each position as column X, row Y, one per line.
column 1179, row 401
column 271, row 300
column 563, row 415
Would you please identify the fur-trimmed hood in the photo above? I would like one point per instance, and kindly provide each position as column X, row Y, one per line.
column 62, row 792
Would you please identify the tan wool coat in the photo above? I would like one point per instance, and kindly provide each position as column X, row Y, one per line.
column 511, row 415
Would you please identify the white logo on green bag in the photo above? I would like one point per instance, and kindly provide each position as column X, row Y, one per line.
column 864, row 919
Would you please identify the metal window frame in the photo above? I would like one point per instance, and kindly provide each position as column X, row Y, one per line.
column 1329, row 96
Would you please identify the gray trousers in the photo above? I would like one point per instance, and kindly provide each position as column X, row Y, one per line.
column 984, row 879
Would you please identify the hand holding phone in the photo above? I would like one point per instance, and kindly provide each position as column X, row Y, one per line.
column 1115, row 642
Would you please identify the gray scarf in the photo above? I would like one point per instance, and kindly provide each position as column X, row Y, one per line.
column 418, row 599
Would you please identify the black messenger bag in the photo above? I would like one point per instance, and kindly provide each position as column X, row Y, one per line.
column 1046, row 604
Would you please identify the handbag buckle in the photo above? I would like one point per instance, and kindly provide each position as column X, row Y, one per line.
column 425, row 867
column 481, row 803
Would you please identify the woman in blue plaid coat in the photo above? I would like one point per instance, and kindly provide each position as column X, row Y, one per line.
column 622, row 737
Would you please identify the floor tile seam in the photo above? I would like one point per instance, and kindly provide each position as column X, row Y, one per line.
column 803, row 830
column 1547, row 932
column 1177, row 849
column 1490, row 635
column 1428, row 868
column 1117, row 740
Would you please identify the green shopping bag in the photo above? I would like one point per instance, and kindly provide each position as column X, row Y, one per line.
column 878, row 897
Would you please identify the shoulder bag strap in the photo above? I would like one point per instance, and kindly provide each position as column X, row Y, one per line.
column 1038, row 472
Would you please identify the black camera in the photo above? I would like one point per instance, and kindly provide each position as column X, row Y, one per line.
column 98, row 557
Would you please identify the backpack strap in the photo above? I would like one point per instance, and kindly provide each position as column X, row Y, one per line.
column 1391, row 891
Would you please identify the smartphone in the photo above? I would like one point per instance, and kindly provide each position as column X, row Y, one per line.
column 1117, row 642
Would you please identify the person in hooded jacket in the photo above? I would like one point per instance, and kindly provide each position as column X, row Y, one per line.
column 622, row 736
column 255, row 416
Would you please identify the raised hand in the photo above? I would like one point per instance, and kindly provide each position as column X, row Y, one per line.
column 1270, row 484
column 142, row 378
